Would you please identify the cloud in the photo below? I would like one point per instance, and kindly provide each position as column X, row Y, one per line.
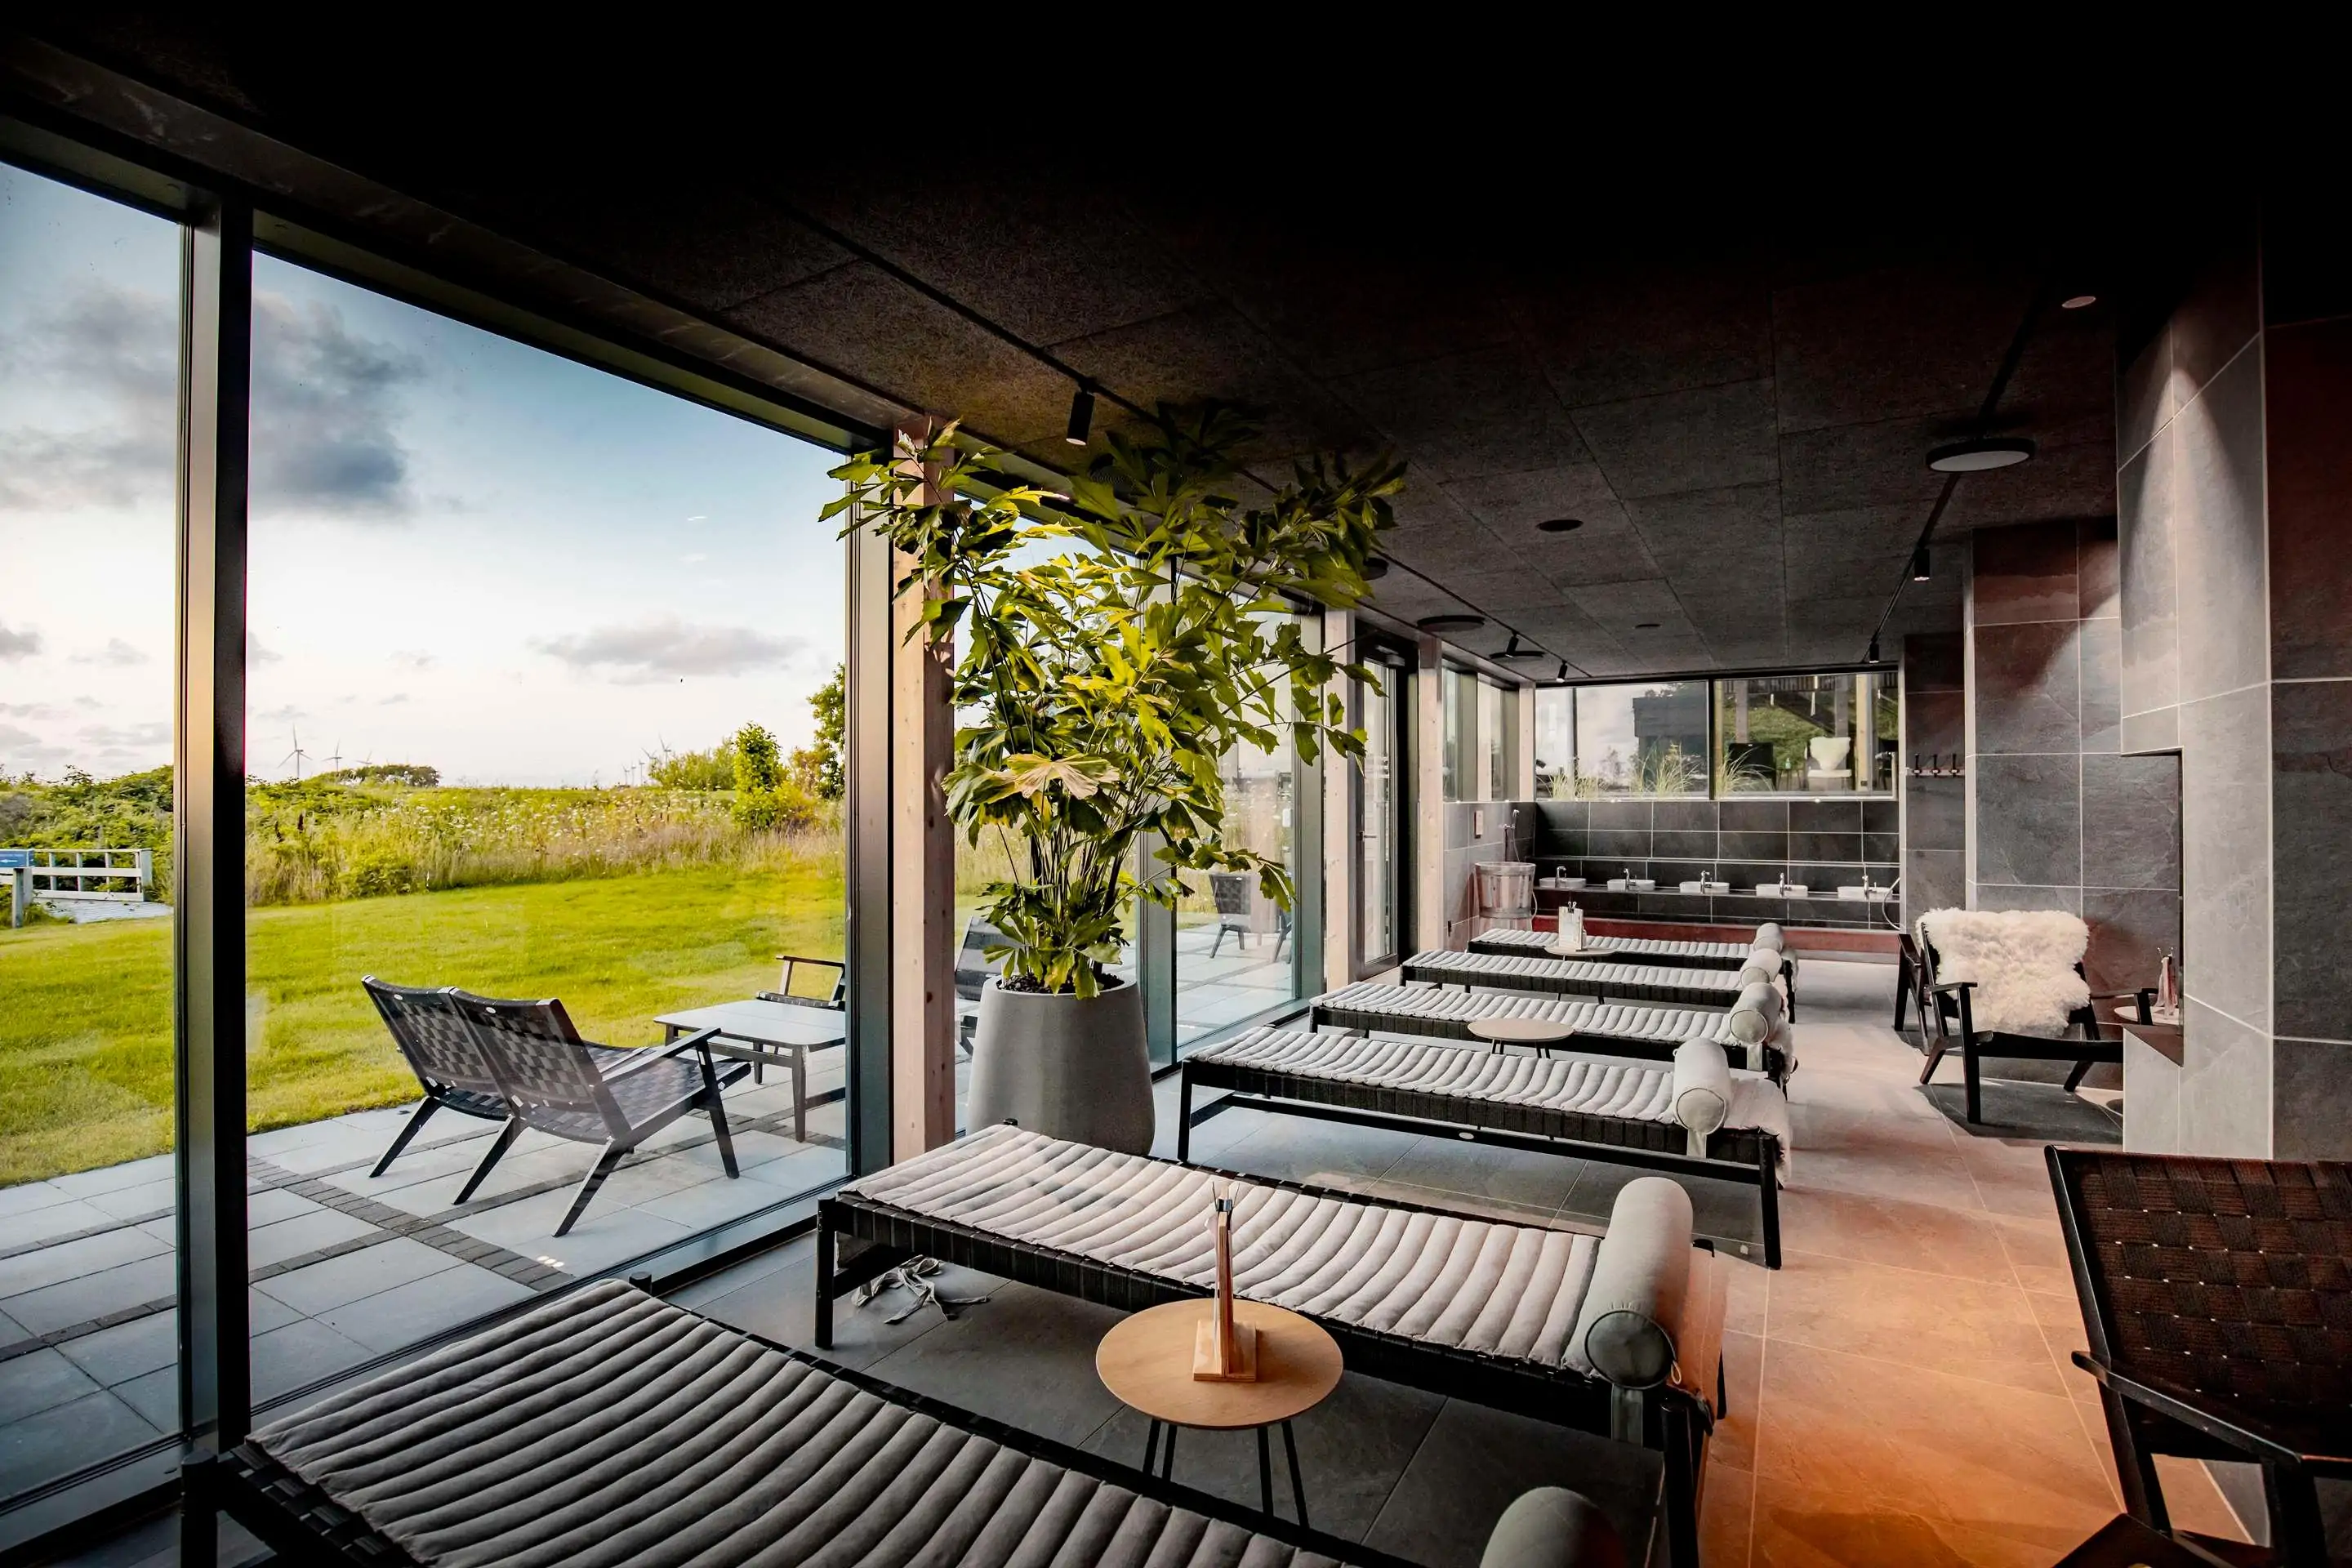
column 115, row 652
column 285, row 715
column 666, row 648
column 15, row 644
column 414, row 659
column 31, row 711
column 326, row 409
column 13, row 738
column 156, row 733
column 255, row 653
column 393, row 700
column 92, row 703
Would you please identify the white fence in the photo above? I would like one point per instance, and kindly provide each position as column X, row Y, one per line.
column 76, row 876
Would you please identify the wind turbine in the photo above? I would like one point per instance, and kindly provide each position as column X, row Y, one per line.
column 335, row 758
column 295, row 756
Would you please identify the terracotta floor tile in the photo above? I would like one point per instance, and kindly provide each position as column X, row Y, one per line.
column 1986, row 1331
column 1947, row 1448
column 2037, row 1251
column 1725, row 1517
column 1795, row 1527
column 1903, row 1233
column 1748, row 1288
column 2194, row 1501
column 1743, row 1378
column 1929, row 1178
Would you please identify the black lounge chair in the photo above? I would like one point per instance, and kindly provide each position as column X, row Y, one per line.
column 1946, row 1002
column 557, row 1084
column 440, row 1049
column 2217, row 1299
column 973, row 970
column 609, row 1425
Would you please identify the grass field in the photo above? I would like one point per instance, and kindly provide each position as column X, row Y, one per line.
column 85, row 1011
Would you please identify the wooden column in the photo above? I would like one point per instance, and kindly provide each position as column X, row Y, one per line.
column 1430, row 903
column 1340, row 826
column 1523, row 766
column 922, row 882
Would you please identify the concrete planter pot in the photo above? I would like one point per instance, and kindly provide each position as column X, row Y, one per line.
column 1064, row 1067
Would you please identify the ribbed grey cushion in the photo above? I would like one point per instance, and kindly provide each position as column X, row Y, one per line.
column 1701, row 1085
column 1425, row 1010
column 1632, row 1311
column 1757, row 1015
column 1504, row 1289
column 1552, row 1526
column 1768, row 935
column 610, row 1428
column 1722, row 954
column 1634, row 982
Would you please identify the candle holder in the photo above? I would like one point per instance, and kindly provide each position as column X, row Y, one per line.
column 1222, row 1350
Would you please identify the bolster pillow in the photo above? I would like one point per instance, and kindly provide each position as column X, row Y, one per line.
column 1552, row 1526
column 1702, row 1089
column 1756, row 1014
column 1761, row 964
column 1641, row 1271
column 1768, row 935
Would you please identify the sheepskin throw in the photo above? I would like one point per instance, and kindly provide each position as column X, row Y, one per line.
column 2022, row 960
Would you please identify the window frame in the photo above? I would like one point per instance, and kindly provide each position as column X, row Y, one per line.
column 1875, row 680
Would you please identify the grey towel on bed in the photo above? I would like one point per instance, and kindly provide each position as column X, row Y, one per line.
column 1506, row 1289
column 610, row 1428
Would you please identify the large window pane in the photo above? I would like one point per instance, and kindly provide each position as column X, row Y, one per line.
column 1234, row 955
column 90, row 334
column 540, row 710
column 1804, row 735
column 1646, row 737
column 1459, row 700
column 1555, row 743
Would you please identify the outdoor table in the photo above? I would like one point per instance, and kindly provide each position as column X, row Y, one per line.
column 768, row 1034
column 1146, row 1362
column 1543, row 1034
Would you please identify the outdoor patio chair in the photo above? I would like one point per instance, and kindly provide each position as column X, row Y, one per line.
column 836, row 998
column 2217, row 1299
column 558, row 1085
column 1949, row 1003
column 973, row 970
column 1232, row 891
column 433, row 1039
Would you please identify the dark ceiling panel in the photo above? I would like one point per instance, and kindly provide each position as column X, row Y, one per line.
column 1467, row 413
column 1702, row 439
column 1608, row 341
column 1892, row 345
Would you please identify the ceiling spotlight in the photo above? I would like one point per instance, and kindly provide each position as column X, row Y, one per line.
column 2077, row 301
column 1563, row 671
column 1976, row 457
column 1375, row 568
column 1646, row 625
column 1444, row 624
column 1560, row 525
column 1082, row 417
column 1516, row 650
column 1872, row 656
column 1919, row 573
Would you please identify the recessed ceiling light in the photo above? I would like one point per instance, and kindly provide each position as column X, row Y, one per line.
column 2077, row 301
column 1646, row 625
column 1451, row 622
column 1559, row 525
column 1976, row 457
column 1375, row 568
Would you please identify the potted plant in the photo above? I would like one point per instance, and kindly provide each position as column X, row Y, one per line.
column 1096, row 692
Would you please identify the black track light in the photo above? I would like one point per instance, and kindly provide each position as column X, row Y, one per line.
column 1518, row 650
column 1563, row 671
column 1872, row 656
column 1919, row 573
column 1082, row 415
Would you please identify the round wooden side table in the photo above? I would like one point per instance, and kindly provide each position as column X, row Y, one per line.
column 1543, row 1034
column 1146, row 1362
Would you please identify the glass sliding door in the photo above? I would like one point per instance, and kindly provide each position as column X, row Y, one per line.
column 89, row 330
column 544, row 704
column 1383, row 867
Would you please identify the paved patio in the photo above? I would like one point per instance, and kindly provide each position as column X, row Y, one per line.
column 344, row 1267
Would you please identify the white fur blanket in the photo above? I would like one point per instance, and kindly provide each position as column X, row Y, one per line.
column 2022, row 960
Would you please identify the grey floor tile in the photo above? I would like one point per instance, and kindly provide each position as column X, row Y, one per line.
column 72, row 1259
column 407, row 1313
column 274, row 1204
column 603, row 1237
column 24, row 1197
column 155, row 1396
column 1026, row 1357
column 1322, row 1153
column 127, row 1350
column 1474, row 1462
column 302, row 1353
column 57, row 1442
column 95, row 1295
column 398, row 1261
column 1511, row 1175
column 268, row 1243
column 71, row 1217
column 777, row 1304
column 113, row 1178
column 1723, row 1211
column 137, row 1202
column 37, row 1381
column 155, row 1543
column 712, row 1202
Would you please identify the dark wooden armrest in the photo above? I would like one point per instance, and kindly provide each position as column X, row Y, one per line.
column 2221, row 1420
column 1953, row 985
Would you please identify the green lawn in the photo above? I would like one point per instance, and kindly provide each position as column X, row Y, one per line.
column 86, row 1011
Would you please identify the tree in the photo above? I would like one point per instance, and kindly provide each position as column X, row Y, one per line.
column 711, row 770
column 766, row 798
column 1108, row 683
column 816, row 767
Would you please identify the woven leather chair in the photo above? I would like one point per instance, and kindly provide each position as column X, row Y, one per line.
column 2217, row 1296
column 558, row 1084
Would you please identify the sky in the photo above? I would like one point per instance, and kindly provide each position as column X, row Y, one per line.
column 466, row 552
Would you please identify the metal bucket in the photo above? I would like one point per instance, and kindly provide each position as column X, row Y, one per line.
column 1506, row 889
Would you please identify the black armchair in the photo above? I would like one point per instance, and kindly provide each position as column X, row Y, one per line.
column 1946, row 1003
column 2217, row 1299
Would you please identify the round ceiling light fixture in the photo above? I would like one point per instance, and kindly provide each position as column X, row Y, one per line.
column 1444, row 624
column 2077, row 301
column 1375, row 568
column 1979, row 456
column 1559, row 525
column 1646, row 625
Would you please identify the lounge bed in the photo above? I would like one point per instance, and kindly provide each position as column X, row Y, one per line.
column 1692, row 1118
column 1508, row 942
column 1600, row 979
column 610, row 1428
column 1620, row 1334
column 1751, row 1030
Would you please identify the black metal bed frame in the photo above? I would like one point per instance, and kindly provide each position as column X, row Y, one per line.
column 1442, row 975
column 880, row 1236
column 1584, row 1042
column 304, row 1524
column 1654, row 960
column 1747, row 1156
